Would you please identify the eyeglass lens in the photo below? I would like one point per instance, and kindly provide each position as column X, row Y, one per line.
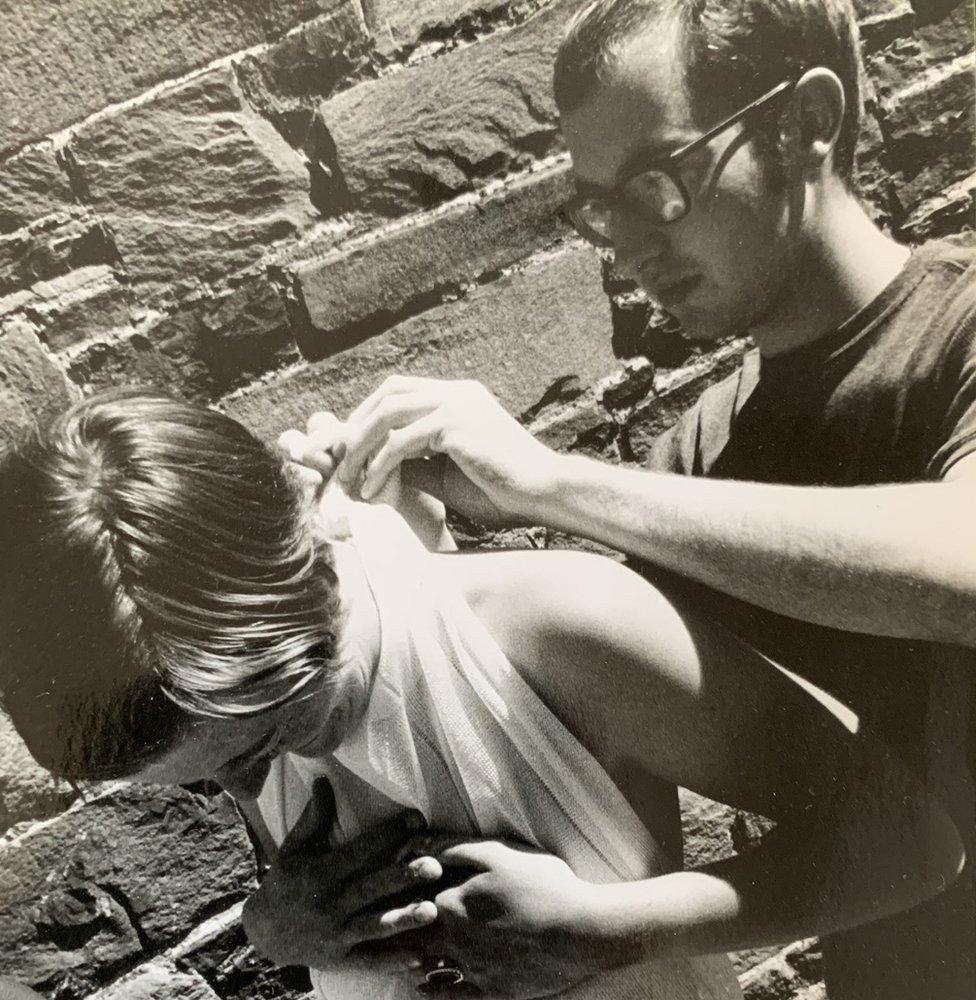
column 653, row 193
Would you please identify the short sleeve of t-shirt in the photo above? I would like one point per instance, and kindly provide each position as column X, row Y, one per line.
column 691, row 445
column 958, row 375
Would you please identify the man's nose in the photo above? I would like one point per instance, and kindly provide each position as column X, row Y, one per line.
column 635, row 241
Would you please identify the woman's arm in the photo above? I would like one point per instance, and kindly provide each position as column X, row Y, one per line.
column 644, row 682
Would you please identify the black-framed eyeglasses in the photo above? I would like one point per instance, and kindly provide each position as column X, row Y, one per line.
column 655, row 189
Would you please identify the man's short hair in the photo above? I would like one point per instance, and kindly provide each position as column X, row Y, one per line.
column 732, row 52
column 157, row 562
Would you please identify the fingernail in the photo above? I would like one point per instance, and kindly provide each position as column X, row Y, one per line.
column 367, row 490
column 424, row 869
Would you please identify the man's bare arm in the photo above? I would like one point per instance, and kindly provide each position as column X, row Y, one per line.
column 888, row 560
column 893, row 560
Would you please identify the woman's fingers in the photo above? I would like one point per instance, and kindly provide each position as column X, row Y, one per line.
column 368, row 892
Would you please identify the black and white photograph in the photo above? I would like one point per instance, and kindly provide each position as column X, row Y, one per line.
column 487, row 498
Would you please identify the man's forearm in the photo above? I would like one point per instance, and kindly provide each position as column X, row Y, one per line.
column 888, row 560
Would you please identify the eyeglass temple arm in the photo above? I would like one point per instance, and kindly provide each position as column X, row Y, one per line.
column 758, row 103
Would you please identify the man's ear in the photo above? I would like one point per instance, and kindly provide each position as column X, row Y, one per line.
column 817, row 114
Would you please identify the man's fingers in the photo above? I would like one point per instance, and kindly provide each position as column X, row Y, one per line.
column 368, row 436
column 416, row 440
column 368, row 892
column 373, row 927
column 383, row 838
column 395, row 385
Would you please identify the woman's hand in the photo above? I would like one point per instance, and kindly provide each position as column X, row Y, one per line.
column 516, row 922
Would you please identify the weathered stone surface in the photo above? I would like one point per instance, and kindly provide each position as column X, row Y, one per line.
column 378, row 277
column 161, row 980
column 948, row 212
column 929, row 132
column 413, row 139
column 193, row 184
column 51, row 247
column 795, row 971
column 31, row 382
column 706, row 827
column 232, row 969
column 402, row 24
column 27, row 791
column 84, row 303
column 518, row 335
column 308, row 64
column 32, row 185
column 60, row 62
column 882, row 28
column 135, row 869
column 200, row 351
column 675, row 393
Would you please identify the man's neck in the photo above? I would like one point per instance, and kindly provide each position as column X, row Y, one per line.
column 842, row 263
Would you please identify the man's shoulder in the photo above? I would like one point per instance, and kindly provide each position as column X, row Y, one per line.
column 957, row 252
column 950, row 263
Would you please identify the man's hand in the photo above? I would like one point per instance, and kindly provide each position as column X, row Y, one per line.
column 485, row 464
column 317, row 453
column 314, row 905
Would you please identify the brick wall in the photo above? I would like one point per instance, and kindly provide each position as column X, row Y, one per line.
column 272, row 205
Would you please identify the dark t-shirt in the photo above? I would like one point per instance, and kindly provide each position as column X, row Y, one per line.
column 888, row 397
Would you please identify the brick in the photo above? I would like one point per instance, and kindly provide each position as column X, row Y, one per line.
column 161, row 980
column 793, row 972
column 308, row 64
column 27, row 791
column 233, row 969
column 135, row 869
column 517, row 334
column 402, row 24
column 675, row 394
column 193, row 185
column 706, row 827
column 61, row 62
column 881, row 29
column 949, row 212
column 413, row 139
column 31, row 382
column 380, row 275
column 52, row 246
column 32, row 185
column 929, row 132
column 84, row 303
column 201, row 351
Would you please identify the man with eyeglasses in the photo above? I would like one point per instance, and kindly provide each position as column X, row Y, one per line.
column 819, row 502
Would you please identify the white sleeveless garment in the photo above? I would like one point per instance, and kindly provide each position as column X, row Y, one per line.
column 452, row 730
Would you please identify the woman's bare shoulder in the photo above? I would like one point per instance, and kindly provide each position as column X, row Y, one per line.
column 532, row 601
